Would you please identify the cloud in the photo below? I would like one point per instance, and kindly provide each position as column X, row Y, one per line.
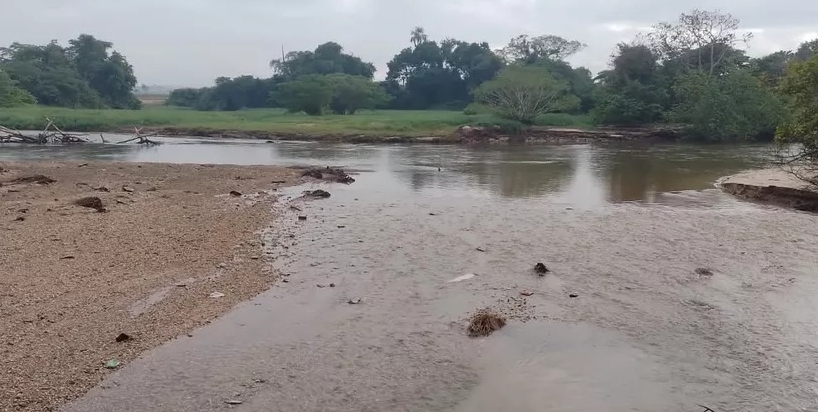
column 191, row 42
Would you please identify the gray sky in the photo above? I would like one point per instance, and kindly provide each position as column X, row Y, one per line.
column 191, row 42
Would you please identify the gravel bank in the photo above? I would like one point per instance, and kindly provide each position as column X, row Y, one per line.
column 72, row 279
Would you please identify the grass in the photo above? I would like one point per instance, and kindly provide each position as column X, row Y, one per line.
column 409, row 123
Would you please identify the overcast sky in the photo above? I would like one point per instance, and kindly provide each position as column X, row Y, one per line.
column 191, row 42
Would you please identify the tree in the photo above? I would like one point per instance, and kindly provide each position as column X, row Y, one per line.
column 633, row 91
column 772, row 67
column 527, row 50
column 701, row 39
column 10, row 94
column 522, row 93
column 327, row 58
column 806, row 50
column 82, row 75
column 419, row 36
column 352, row 93
column 440, row 75
column 314, row 94
column 800, row 128
column 733, row 107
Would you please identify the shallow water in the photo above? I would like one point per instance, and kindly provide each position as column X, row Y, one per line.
column 622, row 227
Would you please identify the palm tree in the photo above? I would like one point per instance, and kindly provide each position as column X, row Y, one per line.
column 419, row 36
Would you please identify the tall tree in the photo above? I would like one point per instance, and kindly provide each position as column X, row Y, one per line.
column 527, row 50
column 327, row 58
column 109, row 74
column 633, row 91
column 800, row 128
column 431, row 74
column 419, row 36
column 701, row 39
column 806, row 50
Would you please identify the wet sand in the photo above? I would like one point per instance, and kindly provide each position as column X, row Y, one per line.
column 645, row 332
column 73, row 279
column 774, row 186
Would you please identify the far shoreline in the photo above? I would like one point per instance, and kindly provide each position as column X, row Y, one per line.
column 463, row 135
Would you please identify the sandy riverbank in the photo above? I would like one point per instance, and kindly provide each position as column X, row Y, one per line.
column 73, row 279
column 773, row 186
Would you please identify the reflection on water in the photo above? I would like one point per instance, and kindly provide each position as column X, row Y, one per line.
column 576, row 175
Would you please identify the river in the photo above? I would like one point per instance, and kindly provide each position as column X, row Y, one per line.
column 622, row 227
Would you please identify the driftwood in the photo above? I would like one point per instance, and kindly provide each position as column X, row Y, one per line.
column 142, row 138
column 53, row 134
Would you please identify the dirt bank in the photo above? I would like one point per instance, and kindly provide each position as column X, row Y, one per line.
column 773, row 186
column 468, row 135
column 73, row 278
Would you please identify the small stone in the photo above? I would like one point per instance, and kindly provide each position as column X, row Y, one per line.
column 123, row 337
column 235, row 193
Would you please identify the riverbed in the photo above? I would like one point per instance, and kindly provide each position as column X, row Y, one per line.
column 622, row 228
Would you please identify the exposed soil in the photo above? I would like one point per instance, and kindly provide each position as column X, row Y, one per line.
column 773, row 186
column 75, row 280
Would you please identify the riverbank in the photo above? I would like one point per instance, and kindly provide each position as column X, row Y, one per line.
column 772, row 186
column 171, row 239
column 377, row 126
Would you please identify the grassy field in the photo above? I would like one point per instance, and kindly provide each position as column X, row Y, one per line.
column 371, row 123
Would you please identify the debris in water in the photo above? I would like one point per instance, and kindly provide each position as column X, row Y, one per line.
column 235, row 193
column 317, row 193
column 302, row 217
column 341, row 226
column 23, row 211
column 101, row 189
column 234, row 402
column 332, row 285
column 354, row 301
column 462, row 278
column 217, row 295
column 526, row 293
column 127, row 189
column 704, row 272
column 479, row 249
column 541, row 269
column 123, row 337
column 67, row 257
column 91, row 202
column 294, row 207
column 112, row 364
column 336, row 175
column 82, row 165
column 20, row 219
column 485, row 322
column 432, row 214
column 573, row 295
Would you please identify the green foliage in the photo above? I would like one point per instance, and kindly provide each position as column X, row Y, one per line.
column 11, row 95
column 522, row 93
column 82, row 75
column 800, row 85
column 340, row 93
column 327, row 58
column 731, row 107
column 187, row 97
column 634, row 90
column 529, row 50
column 436, row 75
column 374, row 123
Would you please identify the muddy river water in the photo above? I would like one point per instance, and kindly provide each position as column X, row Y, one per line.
column 622, row 228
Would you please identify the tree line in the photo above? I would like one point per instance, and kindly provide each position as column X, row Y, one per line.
column 693, row 72
column 85, row 74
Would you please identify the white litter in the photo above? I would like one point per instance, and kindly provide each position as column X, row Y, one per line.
column 462, row 278
column 217, row 295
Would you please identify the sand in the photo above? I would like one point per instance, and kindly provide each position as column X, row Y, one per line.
column 72, row 279
column 773, row 186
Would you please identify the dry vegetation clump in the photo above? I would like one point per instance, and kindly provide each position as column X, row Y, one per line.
column 484, row 322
